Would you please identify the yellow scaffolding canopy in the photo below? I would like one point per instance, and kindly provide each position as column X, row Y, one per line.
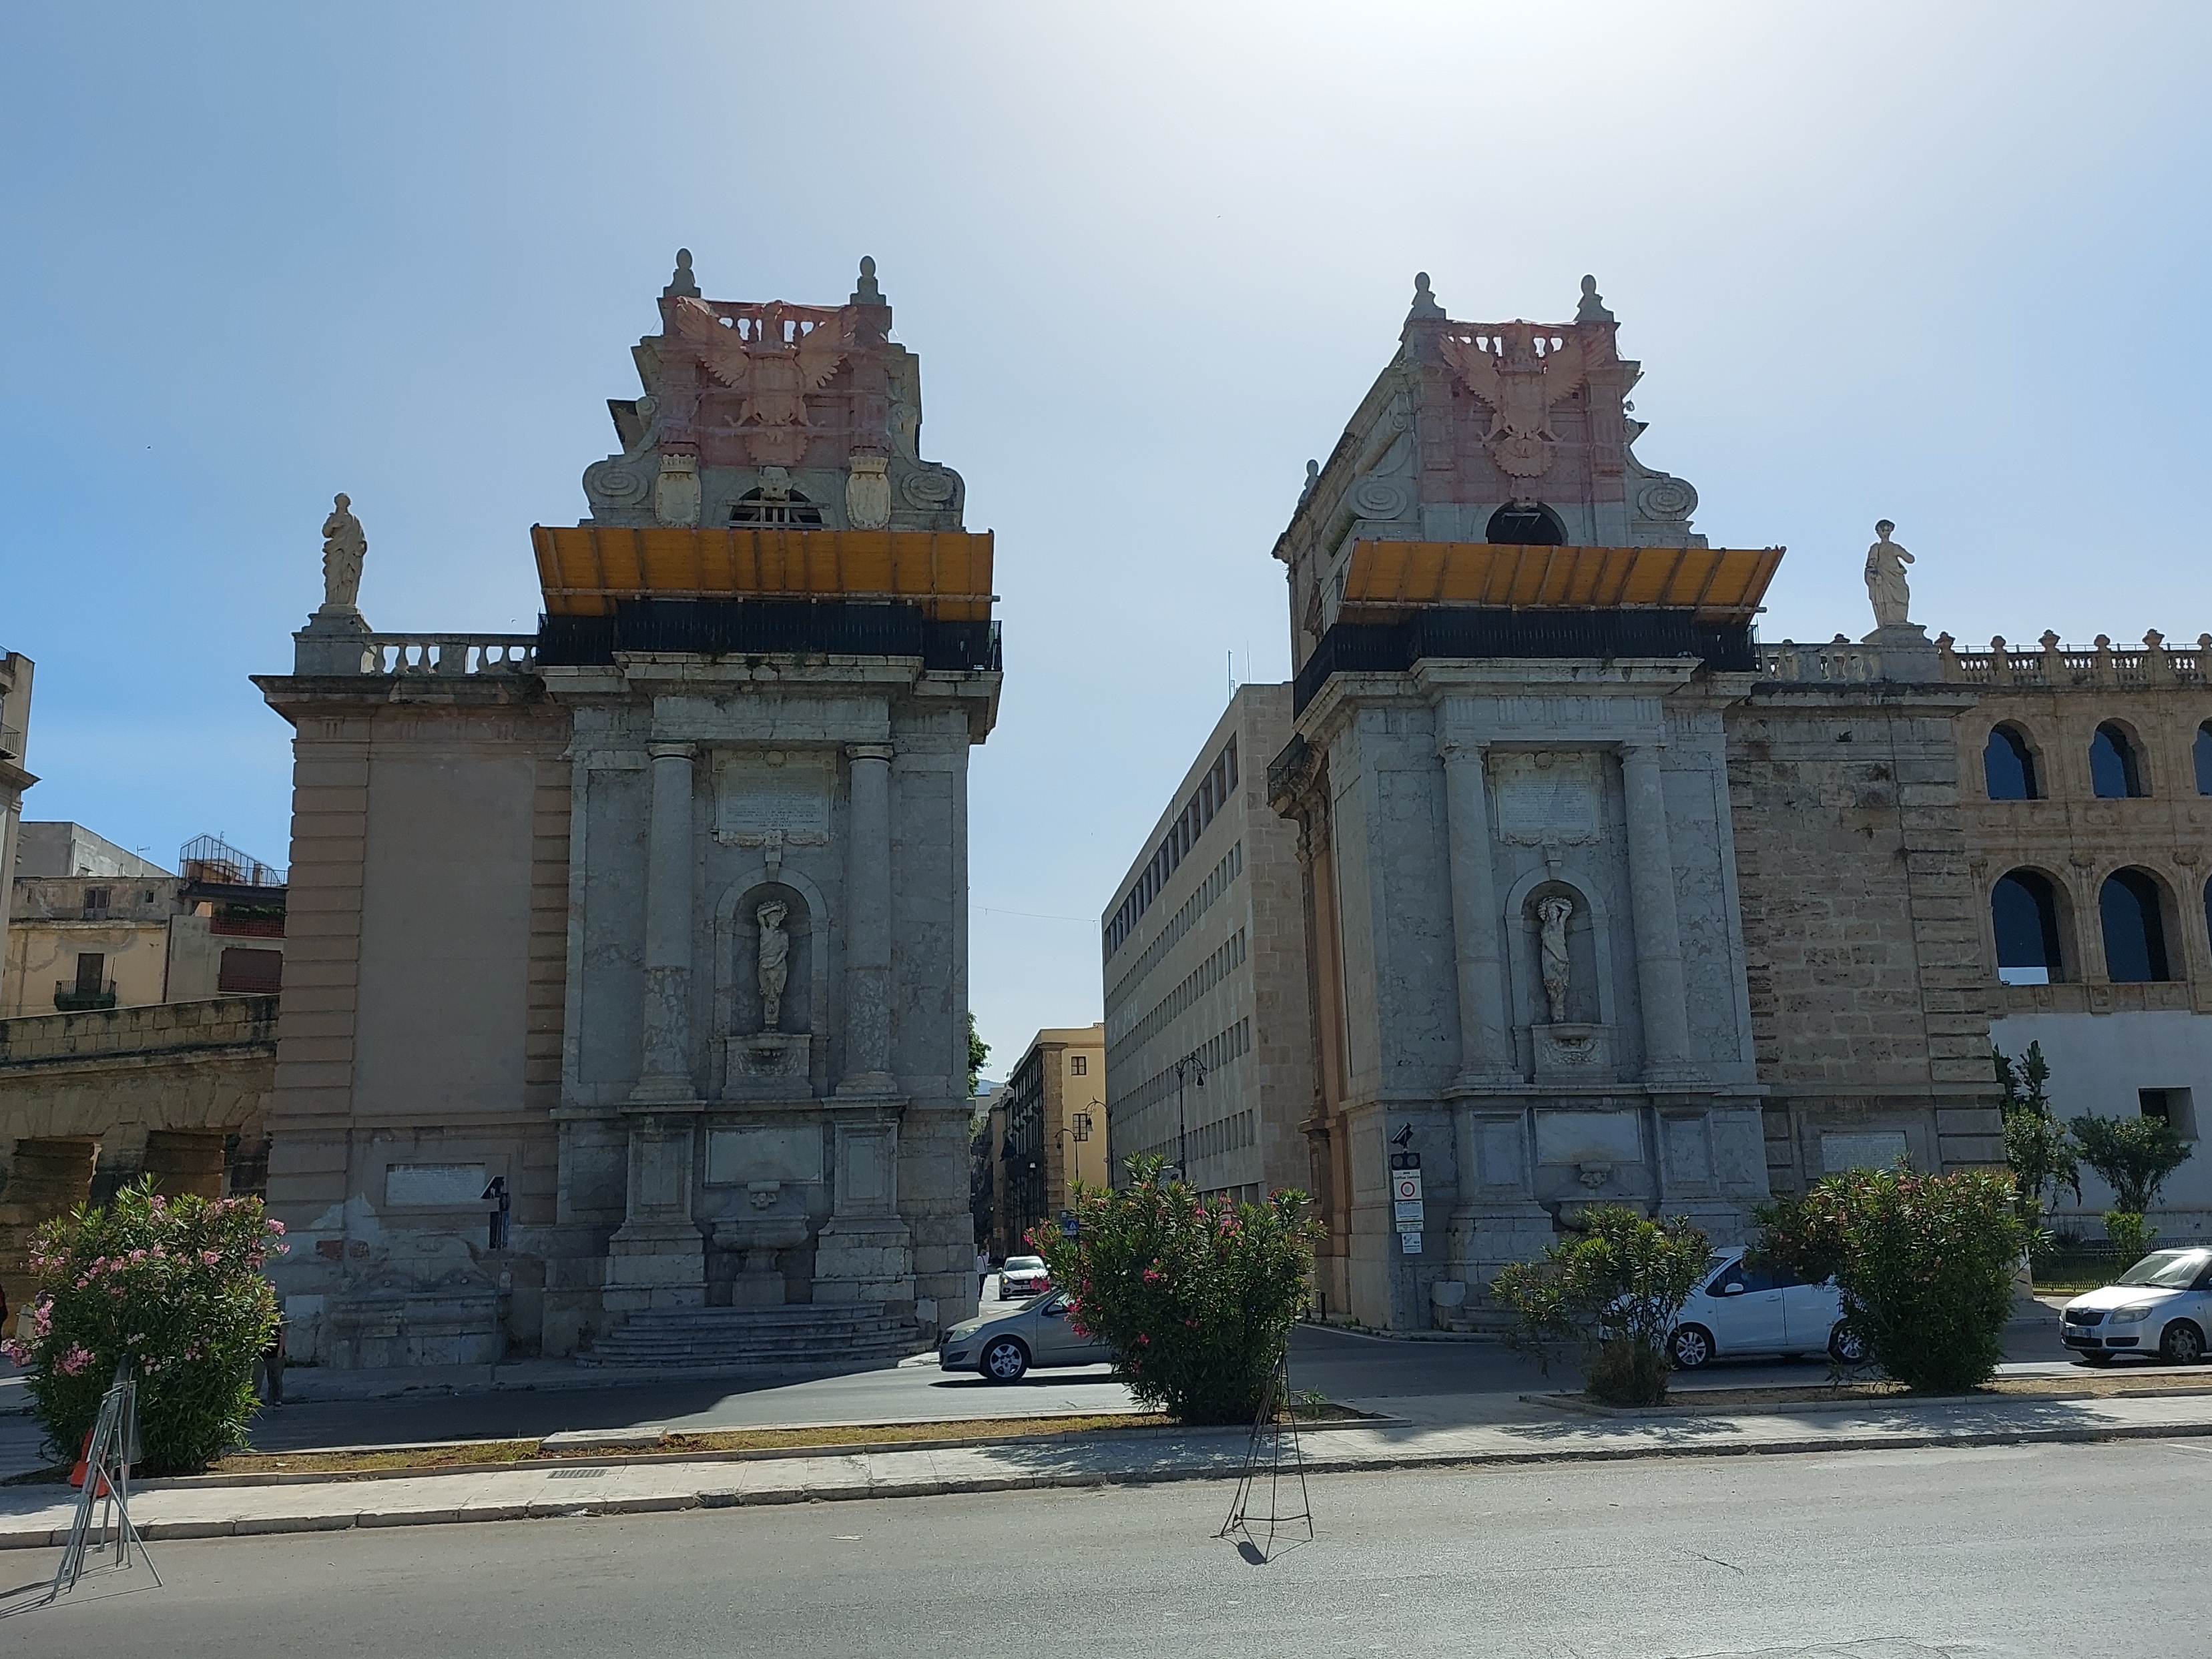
column 584, row 568
column 1718, row 583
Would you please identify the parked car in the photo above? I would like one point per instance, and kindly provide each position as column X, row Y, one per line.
column 1003, row 1346
column 1746, row 1308
column 1023, row 1275
column 2161, row 1305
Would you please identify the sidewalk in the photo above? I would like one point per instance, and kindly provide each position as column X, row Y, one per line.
column 34, row 1516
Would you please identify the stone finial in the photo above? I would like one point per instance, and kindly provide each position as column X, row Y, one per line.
column 683, row 284
column 1424, row 302
column 1592, row 308
column 866, row 294
column 344, row 549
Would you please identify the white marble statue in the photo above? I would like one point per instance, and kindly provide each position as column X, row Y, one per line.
column 774, row 961
column 1885, row 579
column 1551, row 915
column 344, row 547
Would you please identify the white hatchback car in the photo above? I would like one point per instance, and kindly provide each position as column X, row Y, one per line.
column 1742, row 1308
column 2162, row 1306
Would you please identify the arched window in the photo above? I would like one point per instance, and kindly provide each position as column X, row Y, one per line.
column 2205, row 758
column 2135, row 927
column 2114, row 771
column 2008, row 765
column 755, row 508
column 1533, row 525
column 2024, row 908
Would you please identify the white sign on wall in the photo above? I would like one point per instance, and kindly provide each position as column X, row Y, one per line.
column 786, row 791
column 444, row 1185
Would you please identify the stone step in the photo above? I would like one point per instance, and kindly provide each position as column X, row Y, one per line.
column 790, row 1336
column 790, row 1313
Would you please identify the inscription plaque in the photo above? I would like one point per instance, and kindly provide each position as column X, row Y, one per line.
column 779, row 792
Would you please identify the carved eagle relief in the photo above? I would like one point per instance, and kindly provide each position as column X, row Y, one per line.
column 1505, row 368
column 771, row 373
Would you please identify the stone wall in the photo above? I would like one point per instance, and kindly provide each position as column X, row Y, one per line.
column 89, row 1101
column 1863, row 956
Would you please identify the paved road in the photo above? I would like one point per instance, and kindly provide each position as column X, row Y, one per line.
column 2015, row 1550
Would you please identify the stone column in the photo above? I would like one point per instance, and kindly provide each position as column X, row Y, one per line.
column 665, row 1072
column 1485, row 1041
column 1652, row 900
column 868, row 925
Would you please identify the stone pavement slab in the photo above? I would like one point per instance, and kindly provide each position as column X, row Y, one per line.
column 35, row 1517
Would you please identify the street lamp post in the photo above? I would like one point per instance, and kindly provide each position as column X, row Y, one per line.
column 1189, row 1066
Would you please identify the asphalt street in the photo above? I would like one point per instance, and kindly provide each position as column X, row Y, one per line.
column 2009, row 1550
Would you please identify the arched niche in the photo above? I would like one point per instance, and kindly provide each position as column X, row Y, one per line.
column 1590, row 950
column 736, row 956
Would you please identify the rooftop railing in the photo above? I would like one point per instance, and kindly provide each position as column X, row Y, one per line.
column 450, row 654
column 1841, row 662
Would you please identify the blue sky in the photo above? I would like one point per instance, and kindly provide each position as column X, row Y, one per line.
column 1945, row 264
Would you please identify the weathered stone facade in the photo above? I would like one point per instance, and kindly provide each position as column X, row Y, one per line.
column 628, row 983
column 1604, row 903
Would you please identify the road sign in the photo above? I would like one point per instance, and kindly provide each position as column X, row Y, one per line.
column 1406, row 1185
column 1071, row 1224
column 1408, row 1212
column 1405, row 1160
column 1410, row 1243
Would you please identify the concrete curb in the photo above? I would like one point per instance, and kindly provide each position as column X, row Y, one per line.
column 340, row 1517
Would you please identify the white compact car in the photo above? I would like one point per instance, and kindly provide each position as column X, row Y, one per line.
column 2162, row 1306
column 1741, row 1309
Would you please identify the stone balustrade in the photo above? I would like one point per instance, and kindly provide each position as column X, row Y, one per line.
column 450, row 654
column 1843, row 661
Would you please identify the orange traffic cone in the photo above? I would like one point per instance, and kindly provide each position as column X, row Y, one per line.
column 84, row 1453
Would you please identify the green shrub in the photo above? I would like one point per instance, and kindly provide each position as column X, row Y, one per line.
column 1925, row 1263
column 2134, row 1155
column 1195, row 1297
column 176, row 1286
column 2042, row 1155
column 1616, row 1288
column 2130, row 1235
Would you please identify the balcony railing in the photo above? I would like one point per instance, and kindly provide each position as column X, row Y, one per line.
column 2154, row 663
column 450, row 654
column 71, row 997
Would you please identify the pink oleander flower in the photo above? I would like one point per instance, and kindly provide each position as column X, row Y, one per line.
column 74, row 1361
column 212, row 1258
column 276, row 1226
column 18, row 1352
column 42, row 1316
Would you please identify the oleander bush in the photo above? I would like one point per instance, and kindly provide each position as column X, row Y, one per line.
column 1925, row 1263
column 2134, row 1155
column 1194, row 1297
column 173, row 1284
column 2131, row 1236
column 1616, row 1288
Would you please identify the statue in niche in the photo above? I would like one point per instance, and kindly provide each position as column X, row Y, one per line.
column 1885, row 579
column 774, row 961
column 344, row 548
column 1551, row 915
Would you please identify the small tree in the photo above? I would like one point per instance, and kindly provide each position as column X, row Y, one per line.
column 978, row 1052
column 1925, row 1263
column 2134, row 1155
column 1194, row 1297
column 1616, row 1289
column 2041, row 1153
column 175, row 1286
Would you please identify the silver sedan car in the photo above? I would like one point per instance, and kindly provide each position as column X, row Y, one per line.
column 1004, row 1346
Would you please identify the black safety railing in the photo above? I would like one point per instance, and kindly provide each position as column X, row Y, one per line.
column 761, row 628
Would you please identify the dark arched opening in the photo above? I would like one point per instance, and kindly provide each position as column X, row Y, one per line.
column 2135, row 927
column 793, row 509
column 2008, row 765
column 2115, row 772
column 2024, row 910
column 1525, row 524
column 2205, row 758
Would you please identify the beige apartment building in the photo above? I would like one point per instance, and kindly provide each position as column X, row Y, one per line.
column 1207, row 1006
column 1048, row 1123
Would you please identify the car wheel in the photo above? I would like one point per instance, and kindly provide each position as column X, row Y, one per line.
column 1846, row 1346
column 2182, row 1345
column 1004, row 1360
column 1690, row 1347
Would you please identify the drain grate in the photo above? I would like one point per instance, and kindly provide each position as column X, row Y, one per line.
column 574, row 1474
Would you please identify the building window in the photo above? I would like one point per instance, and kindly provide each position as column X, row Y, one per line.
column 2115, row 772
column 754, row 508
column 2135, row 927
column 2024, row 910
column 2008, row 765
column 2205, row 758
column 91, row 972
column 96, row 900
column 1525, row 525
column 249, row 973
column 1077, row 1064
column 2173, row 1106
